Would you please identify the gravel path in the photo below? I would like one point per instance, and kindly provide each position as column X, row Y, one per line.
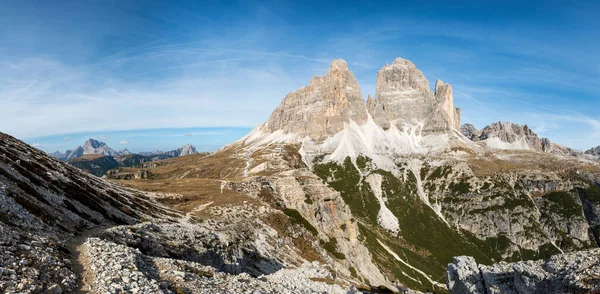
column 79, row 261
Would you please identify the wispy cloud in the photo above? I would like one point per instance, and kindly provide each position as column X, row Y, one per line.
column 124, row 142
column 139, row 73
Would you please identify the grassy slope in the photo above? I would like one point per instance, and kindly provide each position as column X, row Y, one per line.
column 424, row 242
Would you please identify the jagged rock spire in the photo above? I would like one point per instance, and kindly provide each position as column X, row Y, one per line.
column 321, row 109
column 403, row 99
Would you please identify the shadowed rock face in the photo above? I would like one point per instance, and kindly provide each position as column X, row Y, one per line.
column 39, row 192
column 322, row 108
column 469, row 131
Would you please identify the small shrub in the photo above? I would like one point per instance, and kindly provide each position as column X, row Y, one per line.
column 297, row 219
column 353, row 272
column 331, row 247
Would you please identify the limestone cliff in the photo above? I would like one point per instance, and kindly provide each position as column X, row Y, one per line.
column 321, row 109
column 404, row 100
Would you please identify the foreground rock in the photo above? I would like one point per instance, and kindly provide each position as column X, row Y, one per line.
column 177, row 258
column 576, row 272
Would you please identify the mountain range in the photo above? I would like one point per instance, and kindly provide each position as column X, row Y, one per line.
column 97, row 158
column 332, row 194
column 94, row 147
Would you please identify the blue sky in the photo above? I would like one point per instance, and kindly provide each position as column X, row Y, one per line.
column 147, row 72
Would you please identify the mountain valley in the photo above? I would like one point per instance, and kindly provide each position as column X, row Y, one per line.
column 332, row 194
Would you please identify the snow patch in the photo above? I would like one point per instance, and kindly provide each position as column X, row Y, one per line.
column 385, row 217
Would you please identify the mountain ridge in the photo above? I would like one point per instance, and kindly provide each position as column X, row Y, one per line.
column 499, row 201
column 508, row 135
column 92, row 146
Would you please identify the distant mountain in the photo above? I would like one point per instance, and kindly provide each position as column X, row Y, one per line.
column 95, row 164
column 187, row 149
column 94, row 147
column 512, row 136
column 97, row 158
column 90, row 146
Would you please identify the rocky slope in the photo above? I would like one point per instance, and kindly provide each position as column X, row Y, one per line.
column 43, row 202
column 511, row 136
column 566, row 273
column 62, row 231
column 407, row 169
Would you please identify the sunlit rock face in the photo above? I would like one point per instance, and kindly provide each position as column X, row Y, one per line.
column 404, row 100
column 321, row 109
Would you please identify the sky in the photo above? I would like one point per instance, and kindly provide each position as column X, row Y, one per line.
column 148, row 75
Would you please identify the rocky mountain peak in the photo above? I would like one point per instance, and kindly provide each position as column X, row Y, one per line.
column 401, row 75
column 187, row 149
column 91, row 143
column 404, row 100
column 321, row 109
column 338, row 65
column 470, row 131
column 507, row 135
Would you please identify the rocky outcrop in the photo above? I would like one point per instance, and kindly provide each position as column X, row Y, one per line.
column 469, row 131
column 575, row 272
column 322, row 108
column 445, row 100
column 124, row 174
column 594, row 152
column 507, row 135
column 515, row 135
column 404, row 100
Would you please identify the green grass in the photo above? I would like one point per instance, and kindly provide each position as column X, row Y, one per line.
column 462, row 187
column 296, row 218
column 353, row 272
column 564, row 204
column 425, row 241
column 331, row 247
column 307, row 200
column 591, row 194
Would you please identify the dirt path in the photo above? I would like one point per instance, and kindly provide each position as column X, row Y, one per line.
column 79, row 259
